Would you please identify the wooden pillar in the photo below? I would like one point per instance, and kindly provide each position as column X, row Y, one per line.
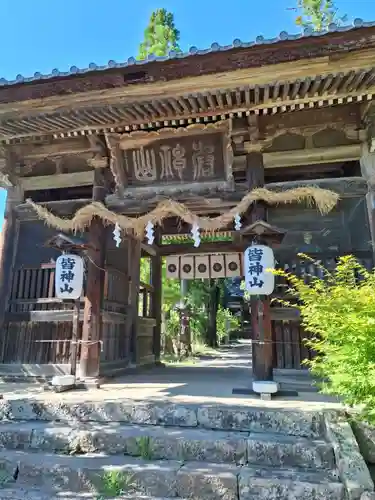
column 92, row 316
column 132, row 322
column 262, row 351
column 156, row 282
column 8, row 247
column 368, row 172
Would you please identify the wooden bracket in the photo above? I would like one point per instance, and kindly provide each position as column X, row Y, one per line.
column 117, row 164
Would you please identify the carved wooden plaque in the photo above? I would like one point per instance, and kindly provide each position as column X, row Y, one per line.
column 183, row 159
column 176, row 157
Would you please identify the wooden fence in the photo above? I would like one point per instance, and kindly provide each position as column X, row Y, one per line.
column 288, row 334
column 38, row 326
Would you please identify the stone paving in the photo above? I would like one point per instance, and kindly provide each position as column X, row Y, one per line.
column 207, row 381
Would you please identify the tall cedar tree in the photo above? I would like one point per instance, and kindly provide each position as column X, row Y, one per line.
column 318, row 14
column 161, row 35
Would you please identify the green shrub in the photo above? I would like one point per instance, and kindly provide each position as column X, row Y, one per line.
column 225, row 323
column 339, row 312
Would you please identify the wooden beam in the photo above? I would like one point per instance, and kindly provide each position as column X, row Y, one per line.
column 151, row 250
column 294, row 158
column 209, row 247
column 58, row 316
column 55, row 181
column 92, row 321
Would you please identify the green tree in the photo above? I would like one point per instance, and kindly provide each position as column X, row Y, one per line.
column 318, row 14
column 339, row 313
column 161, row 35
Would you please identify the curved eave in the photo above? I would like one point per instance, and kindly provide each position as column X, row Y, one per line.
column 316, row 91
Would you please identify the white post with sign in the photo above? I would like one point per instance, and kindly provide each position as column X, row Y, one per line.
column 259, row 262
column 69, row 276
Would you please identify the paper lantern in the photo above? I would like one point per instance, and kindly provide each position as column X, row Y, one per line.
column 258, row 261
column 187, row 267
column 232, row 265
column 172, row 267
column 69, row 276
column 217, row 266
column 202, row 266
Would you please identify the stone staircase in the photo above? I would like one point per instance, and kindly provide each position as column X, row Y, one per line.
column 164, row 451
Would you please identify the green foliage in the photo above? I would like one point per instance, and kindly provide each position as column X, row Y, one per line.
column 161, row 35
column 115, row 483
column 171, row 290
column 197, row 301
column 145, row 270
column 225, row 323
column 318, row 14
column 339, row 312
column 172, row 324
column 145, row 448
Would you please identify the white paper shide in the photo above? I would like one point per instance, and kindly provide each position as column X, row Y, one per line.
column 258, row 261
column 69, row 276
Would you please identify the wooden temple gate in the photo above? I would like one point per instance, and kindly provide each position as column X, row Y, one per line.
column 89, row 150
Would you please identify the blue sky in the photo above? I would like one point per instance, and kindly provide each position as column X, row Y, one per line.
column 42, row 35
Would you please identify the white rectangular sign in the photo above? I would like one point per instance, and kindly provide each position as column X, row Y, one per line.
column 69, row 276
column 258, row 261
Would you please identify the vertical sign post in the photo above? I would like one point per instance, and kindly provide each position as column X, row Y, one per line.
column 258, row 263
column 69, row 277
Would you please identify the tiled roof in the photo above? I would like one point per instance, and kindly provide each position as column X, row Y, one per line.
column 215, row 47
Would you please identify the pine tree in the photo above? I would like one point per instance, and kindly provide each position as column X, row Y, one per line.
column 318, row 14
column 161, row 35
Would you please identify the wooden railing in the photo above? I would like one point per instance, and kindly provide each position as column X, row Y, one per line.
column 288, row 335
column 34, row 289
column 145, row 300
column 307, row 269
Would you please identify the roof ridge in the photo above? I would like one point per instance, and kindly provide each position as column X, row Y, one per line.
column 192, row 51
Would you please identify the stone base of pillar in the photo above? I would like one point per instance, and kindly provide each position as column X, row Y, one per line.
column 266, row 389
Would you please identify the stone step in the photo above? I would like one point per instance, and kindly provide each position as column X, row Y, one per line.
column 221, row 417
column 273, row 450
column 33, row 494
column 36, row 494
column 171, row 443
column 167, row 479
column 273, row 484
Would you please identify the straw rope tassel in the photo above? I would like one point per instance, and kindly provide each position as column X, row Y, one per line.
column 324, row 199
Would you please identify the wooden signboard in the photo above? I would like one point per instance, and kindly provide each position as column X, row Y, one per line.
column 194, row 155
column 223, row 265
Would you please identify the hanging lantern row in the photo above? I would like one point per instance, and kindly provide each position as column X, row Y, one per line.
column 150, row 232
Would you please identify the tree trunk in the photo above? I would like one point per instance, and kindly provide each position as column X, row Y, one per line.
column 184, row 340
column 213, row 305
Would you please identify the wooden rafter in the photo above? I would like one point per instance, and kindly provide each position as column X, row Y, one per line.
column 280, row 97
